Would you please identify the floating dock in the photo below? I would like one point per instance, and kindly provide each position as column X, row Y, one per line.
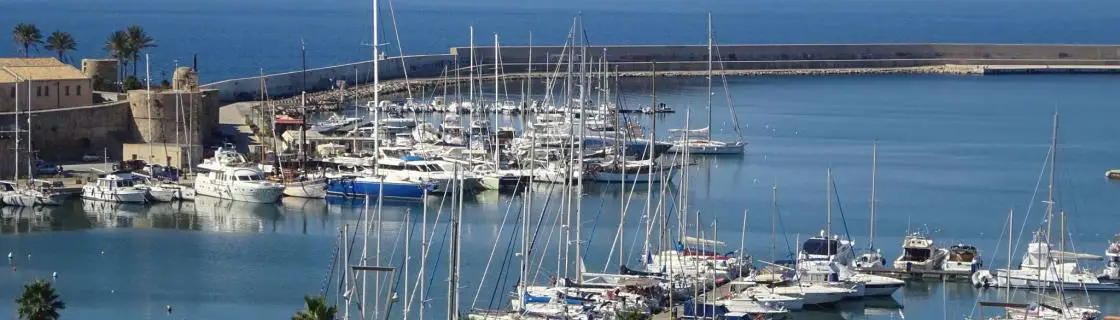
column 919, row 274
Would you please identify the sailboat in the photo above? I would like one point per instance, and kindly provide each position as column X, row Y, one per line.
column 34, row 192
column 1043, row 266
column 691, row 140
column 873, row 258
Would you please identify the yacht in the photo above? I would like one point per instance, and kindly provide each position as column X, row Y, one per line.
column 963, row 258
column 697, row 145
column 398, row 166
column 919, row 254
column 1044, row 267
column 333, row 123
column 1111, row 271
column 871, row 259
column 238, row 184
column 229, row 176
column 115, row 187
column 364, row 184
column 828, row 261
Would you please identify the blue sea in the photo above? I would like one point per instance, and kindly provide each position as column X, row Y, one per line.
column 956, row 153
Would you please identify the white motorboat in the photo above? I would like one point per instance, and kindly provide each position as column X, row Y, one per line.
column 1111, row 271
column 115, row 187
column 1046, row 268
column 812, row 294
column 239, row 184
column 333, row 123
column 752, row 291
column 229, row 176
column 870, row 259
column 397, row 166
column 962, row 257
column 919, row 253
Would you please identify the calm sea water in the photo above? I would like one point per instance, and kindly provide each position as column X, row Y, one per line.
column 956, row 153
column 238, row 39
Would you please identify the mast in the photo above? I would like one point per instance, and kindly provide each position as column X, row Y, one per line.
column 1050, row 185
column 828, row 197
column 529, row 82
column 453, row 277
column 582, row 138
column 148, row 102
column 470, row 79
column 497, row 156
column 874, row 169
column 178, row 105
column 709, row 95
column 649, row 149
column 15, row 174
column 376, row 79
column 423, row 250
column 774, row 223
column 30, row 150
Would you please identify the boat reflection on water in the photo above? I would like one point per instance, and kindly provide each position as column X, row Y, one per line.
column 106, row 214
column 15, row 219
column 877, row 307
column 304, row 206
column 220, row 215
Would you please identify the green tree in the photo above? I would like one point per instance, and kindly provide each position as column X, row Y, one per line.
column 315, row 308
column 138, row 40
column 118, row 48
column 131, row 83
column 61, row 42
column 27, row 35
column 39, row 302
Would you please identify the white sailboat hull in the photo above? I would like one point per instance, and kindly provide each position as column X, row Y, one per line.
column 713, row 147
column 247, row 192
column 315, row 189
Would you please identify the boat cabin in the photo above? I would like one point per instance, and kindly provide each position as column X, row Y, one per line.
column 962, row 253
column 238, row 175
column 916, row 248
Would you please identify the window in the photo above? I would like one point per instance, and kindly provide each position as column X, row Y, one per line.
column 13, row 92
column 79, row 90
column 39, row 91
column 67, row 90
column 47, row 91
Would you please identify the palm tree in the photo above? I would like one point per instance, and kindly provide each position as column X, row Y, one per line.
column 119, row 49
column 138, row 40
column 61, row 42
column 39, row 302
column 315, row 308
column 27, row 35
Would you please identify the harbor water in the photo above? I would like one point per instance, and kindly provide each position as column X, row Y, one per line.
column 955, row 154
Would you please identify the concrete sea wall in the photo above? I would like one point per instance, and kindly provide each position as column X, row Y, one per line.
column 687, row 58
column 67, row 133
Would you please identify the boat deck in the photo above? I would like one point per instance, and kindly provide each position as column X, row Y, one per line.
column 919, row 274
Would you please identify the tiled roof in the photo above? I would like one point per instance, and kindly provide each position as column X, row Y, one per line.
column 29, row 62
column 63, row 72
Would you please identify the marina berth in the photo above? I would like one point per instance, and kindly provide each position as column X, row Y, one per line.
column 115, row 187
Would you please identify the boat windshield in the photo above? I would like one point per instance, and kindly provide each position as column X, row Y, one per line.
column 820, row 247
column 916, row 254
column 253, row 177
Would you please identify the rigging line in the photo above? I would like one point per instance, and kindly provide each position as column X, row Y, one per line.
column 1034, row 197
column 537, row 231
column 493, row 249
column 840, row 206
column 594, row 226
column 439, row 255
column 400, row 47
column 621, row 225
column 548, row 239
column 427, row 245
column 505, row 261
column 782, row 226
column 397, row 275
column 727, row 93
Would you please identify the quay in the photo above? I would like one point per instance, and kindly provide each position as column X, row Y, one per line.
column 945, row 275
column 690, row 60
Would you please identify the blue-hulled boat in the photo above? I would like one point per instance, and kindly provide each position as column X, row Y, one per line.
column 360, row 186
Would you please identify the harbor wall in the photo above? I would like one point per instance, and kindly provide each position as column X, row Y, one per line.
column 638, row 58
column 67, row 133
column 159, row 126
column 318, row 79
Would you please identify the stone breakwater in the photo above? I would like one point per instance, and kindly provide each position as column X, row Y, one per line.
column 398, row 89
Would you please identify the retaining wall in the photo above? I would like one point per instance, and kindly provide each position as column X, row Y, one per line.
column 633, row 58
column 67, row 133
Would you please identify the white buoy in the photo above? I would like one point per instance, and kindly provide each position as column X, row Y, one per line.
column 54, row 274
column 10, row 255
column 169, row 308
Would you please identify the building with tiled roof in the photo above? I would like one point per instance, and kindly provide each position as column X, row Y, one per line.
column 45, row 83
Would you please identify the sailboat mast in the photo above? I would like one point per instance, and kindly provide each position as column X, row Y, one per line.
column 774, row 223
column 1050, row 185
column 709, row 95
column 15, row 174
column 148, row 102
column 497, row 156
column 30, row 150
column 582, row 137
column 828, row 197
column 470, row 79
column 874, row 169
